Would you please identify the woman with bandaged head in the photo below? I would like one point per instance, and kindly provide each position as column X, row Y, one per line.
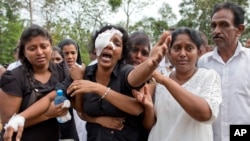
column 106, row 89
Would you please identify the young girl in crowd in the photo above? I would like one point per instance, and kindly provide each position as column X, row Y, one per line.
column 70, row 52
column 139, row 49
column 56, row 56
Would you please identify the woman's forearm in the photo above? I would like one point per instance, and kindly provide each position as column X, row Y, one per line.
column 77, row 103
column 38, row 119
column 141, row 73
column 149, row 117
column 129, row 104
column 39, row 107
column 194, row 105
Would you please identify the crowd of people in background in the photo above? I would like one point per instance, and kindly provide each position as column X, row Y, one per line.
column 182, row 88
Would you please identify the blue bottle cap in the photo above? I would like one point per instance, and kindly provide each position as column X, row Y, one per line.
column 59, row 92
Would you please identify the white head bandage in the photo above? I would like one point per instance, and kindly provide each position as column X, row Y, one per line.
column 14, row 122
column 103, row 40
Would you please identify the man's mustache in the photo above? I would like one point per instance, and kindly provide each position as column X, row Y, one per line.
column 217, row 36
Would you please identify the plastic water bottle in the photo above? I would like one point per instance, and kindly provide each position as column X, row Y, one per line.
column 60, row 98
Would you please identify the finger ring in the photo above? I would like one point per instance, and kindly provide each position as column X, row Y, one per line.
column 75, row 87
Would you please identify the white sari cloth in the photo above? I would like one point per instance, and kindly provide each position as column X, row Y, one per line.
column 173, row 123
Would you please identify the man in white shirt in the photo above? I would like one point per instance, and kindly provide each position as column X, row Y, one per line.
column 227, row 25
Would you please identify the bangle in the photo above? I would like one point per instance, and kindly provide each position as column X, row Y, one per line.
column 106, row 93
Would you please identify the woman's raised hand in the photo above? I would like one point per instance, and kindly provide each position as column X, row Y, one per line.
column 160, row 48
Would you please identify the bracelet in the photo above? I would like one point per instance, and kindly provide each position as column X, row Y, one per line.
column 106, row 93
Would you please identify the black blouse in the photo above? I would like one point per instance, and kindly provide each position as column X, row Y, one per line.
column 17, row 83
column 95, row 106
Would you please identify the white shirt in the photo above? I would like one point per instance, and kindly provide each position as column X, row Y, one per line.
column 92, row 62
column 80, row 127
column 173, row 123
column 163, row 65
column 235, row 78
column 14, row 65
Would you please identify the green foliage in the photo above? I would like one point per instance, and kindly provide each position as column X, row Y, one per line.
column 151, row 26
column 10, row 31
column 115, row 4
column 154, row 27
column 63, row 29
column 80, row 18
column 166, row 13
column 196, row 14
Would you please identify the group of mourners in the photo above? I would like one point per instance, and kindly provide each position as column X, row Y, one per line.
column 122, row 95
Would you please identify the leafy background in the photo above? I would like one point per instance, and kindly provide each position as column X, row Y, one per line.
column 78, row 19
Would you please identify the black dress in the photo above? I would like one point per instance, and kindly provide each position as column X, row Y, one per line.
column 95, row 106
column 17, row 83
